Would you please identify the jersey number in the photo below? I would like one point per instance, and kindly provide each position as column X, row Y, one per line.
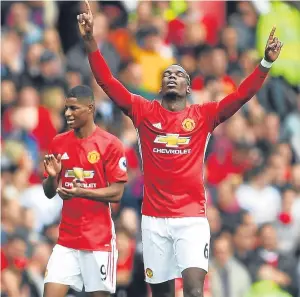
column 206, row 251
column 103, row 272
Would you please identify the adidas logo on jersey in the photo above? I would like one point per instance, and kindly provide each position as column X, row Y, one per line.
column 157, row 125
column 65, row 157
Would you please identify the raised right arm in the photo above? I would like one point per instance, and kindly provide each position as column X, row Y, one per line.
column 111, row 86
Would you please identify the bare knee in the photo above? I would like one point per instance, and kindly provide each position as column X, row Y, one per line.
column 55, row 290
column 193, row 292
column 166, row 289
column 193, row 282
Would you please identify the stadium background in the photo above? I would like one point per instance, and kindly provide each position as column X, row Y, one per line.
column 253, row 160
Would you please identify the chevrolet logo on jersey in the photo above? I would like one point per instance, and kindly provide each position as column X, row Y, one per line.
column 85, row 174
column 172, row 140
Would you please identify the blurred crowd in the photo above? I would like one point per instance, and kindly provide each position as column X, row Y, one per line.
column 252, row 163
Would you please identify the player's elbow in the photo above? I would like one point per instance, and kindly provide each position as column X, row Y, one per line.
column 49, row 195
column 117, row 192
column 117, row 198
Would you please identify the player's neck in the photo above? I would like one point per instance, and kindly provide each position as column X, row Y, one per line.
column 176, row 104
column 86, row 130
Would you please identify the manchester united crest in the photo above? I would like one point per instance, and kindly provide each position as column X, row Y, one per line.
column 93, row 157
column 149, row 273
column 188, row 125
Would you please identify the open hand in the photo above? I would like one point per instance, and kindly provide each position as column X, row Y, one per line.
column 67, row 194
column 52, row 164
column 273, row 47
column 86, row 22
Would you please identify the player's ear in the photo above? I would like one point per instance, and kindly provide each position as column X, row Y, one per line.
column 188, row 90
column 91, row 107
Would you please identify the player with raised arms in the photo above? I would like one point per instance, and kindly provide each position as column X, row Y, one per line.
column 173, row 138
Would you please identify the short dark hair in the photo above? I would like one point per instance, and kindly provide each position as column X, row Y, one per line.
column 81, row 92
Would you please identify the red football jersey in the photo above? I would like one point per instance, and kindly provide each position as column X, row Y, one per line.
column 172, row 147
column 100, row 160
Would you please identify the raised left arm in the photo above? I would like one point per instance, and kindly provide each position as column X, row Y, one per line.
column 251, row 85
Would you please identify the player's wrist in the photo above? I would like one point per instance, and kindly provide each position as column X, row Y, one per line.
column 80, row 192
column 88, row 37
column 53, row 177
column 265, row 63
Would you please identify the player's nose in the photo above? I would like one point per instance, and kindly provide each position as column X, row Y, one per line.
column 67, row 112
column 172, row 77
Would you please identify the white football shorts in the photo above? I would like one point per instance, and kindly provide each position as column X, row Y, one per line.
column 170, row 245
column 96, row 270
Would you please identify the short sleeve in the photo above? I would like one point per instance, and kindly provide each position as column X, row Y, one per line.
column 115, row 164
column 139, row 108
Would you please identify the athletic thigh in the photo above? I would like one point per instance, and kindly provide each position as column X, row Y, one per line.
column 63, row 268
column 192, row 240
column 158, row 252
column 98, row 270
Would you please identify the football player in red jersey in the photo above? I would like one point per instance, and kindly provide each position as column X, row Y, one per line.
column 86, row 166
column 173, row 138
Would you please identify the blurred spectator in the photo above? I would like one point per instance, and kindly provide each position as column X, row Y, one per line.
column 231, row 213
column 12, row 64
column 32, row 59
column 10, row 218
column 131, row 76
column 13, row 264
column 229, row 39
column 46, row 211
column 293, row 134
column 36, row 269
column 270, row 264
column 217, row 66
column 149, row 51
column 19, row 20
column 257, row 195
column 8, row 94
column 54, row 106
column 30, row 117
column 244, row 21
column 215, row 224
column 288, row 223
column 221, row 164
column 228, row 277
column 244, row 244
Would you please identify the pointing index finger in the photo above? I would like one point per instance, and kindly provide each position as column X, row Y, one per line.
column 87, row 5
column 271, row 34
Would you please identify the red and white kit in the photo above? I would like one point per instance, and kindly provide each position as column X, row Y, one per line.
column 172, row 145
column 86, row 251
